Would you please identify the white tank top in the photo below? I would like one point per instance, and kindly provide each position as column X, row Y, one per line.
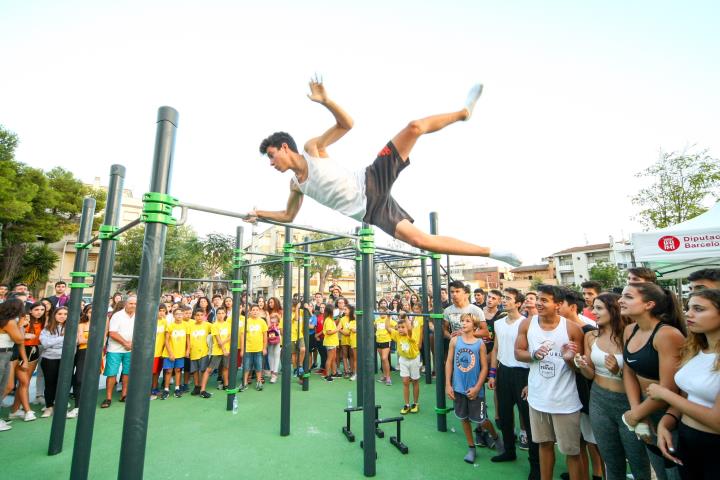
column 698, row 379
column 505, row 336
column 551, row 383
column 335, row 187
column 597, row 355
column 6, row 341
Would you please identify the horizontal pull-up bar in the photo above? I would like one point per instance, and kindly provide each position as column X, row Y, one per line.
column 114, row 234
column 244, row 216
column 130, row 277
column 319, row 240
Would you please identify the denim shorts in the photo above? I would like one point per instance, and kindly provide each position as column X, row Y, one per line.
column 253, row 361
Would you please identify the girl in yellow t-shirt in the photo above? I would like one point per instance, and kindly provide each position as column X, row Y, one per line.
column 344, row 331
column 352, row 327
column 330, row 342
column 382, row 344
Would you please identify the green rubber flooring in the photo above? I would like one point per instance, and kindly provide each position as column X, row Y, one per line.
column 191, row 437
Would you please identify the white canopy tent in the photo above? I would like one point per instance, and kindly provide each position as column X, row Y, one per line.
column 677, row 251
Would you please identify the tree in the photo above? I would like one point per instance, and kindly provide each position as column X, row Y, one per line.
column 36, row 265
column 217, row 256
column 183, row 255
column 683, row 184
column 326, row 267
column 607, row 274
column 36, row 207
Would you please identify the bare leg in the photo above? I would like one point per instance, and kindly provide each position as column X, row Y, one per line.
column 124, row 386
column 409, row 233
column 547, row 460
column 416, row 391
column 406, row 390
column 109, row 387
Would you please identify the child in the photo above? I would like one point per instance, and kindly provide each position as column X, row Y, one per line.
column 274, row 339
column 162, row 324
column 199, row 361
column 220, row 331
column 297, row 338
column 465, row 370
column 187, row 319
column 256, row 339
column 408, row 341
column 344, row 331
column 52, row 338
column 330, row 342
column 177, row 346
column 352, row 326
column 382, row 343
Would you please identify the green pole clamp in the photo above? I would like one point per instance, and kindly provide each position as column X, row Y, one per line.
column 81, row 274
column 78, row 285
column 80, row 246
column 435, row 256
column 236, row 282
column 158, row 218
column 158, row 207
column 358, row 258
column 358, row 312
column 238, row 255
column 156, row 197
column 232, row 391
column 367, row 241
column 437, row 315
column 237, row 289
column 107, row 232
column 288, row 251
column 306, row 375
column 443, row 410
column 306, row 261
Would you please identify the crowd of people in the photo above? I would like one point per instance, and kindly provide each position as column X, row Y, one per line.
column 610, row 379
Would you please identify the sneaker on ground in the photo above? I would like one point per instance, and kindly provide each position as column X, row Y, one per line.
column 381, row 380
column 196, row 391
column 205, row 394
column 301, row 371
column 524, row 441
column 479, row 438
column 178, row 393
column 504, row 457
column 329, row 378
column 273, row 378
column 4, row 426
column 30, row 416
column 164, row 394
column 243, row 388
column 353, row 377
column 405, row 410
column 388, row 382
column 489, row 440
column 72, row 413
column 220, row 385
column 47, row 412
column 259, row 386
column 414, row 408
column 19, row 413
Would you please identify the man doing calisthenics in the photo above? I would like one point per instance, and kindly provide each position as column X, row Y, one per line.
column 364, row 195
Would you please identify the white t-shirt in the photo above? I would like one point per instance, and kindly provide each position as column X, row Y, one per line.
column 698, row 379
column 334, row 186
column 505, row 336
column 123, row 324
column 452, row 315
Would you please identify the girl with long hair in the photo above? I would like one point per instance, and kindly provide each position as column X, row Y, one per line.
column 11, row 339
column 82, row 341
column 36, row 322
column 52, row 338
column 695, row 413
column 603, row 364
column 651, row 354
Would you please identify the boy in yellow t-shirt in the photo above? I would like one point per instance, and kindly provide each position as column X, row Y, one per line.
column 177, row 346
column 382, row 344
column 330, row 342
column 297, row 337
column 221, row 331
column 199, row 350
column 408, row 339
column 255, row 347
column 162, row 323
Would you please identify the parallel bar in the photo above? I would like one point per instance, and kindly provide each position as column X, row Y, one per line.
column 127, row 227
column 208, row 280
column 137, row 404
column 235, row 322
column 439, row 337
column 80, row 467
column 426, row 324
column 285, row 352
column 369, row 452
column 57, row 432
column 400, row 277
column 244, row 216
column 277, row 255
column 307, row 241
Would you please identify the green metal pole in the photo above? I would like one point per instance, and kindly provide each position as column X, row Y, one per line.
column 157, row 219
column 367, row 249
column 57, row 432
column 426, row 322
column 439, row 337
column 306, row 318
column 101, row 299
column 287, row 322
column 236, row 290
column 360, row 321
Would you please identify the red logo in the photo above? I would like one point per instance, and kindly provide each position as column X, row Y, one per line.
column 669, row 243
column 385, row 152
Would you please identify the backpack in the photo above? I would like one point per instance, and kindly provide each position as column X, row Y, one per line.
column 273, row 336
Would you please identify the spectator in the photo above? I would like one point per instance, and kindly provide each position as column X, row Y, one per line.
column 119, row 349
column 11, row 337
column 52, row 338
column 641, row 274
column 706, row 278
column 590, row 290
column 60, row 299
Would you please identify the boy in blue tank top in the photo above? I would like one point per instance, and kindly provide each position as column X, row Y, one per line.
column 465, row 371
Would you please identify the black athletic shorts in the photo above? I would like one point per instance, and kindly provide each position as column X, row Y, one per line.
column 382, row 210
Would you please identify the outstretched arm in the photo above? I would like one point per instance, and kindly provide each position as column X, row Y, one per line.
column 343, row 122
column 288, row 215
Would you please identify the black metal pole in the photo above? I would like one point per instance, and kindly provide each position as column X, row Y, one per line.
column 426, row 322
column 306, row 317
column 360, row 316
column 439, row 337
column 137, row 406
column 57, row 432
column 235, row 321
column 96, row 337
column 367, row 249
column 287, row 322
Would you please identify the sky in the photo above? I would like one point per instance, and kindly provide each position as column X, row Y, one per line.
column 578, row 97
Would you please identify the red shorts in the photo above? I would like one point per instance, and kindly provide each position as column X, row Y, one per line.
column 157, row 365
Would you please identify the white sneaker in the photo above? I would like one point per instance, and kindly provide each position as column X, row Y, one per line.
column 19, row 413
column 29, row 416
column 4, row 426
column 353, row 377
column 73, row 413
column 47, row 412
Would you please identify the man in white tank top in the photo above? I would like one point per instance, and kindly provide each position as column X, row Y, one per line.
column 549, row 343
column 364, row 196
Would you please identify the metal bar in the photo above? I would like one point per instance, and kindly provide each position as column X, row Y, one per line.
column 306, row 320
column 399, row 277
column 426, row 324
column 439, row 337
column 395, row 250
column 244, row 216
column 369, row 452
column 176, row 279
column 318, row 240
column 101, row 299
column 137, row 405
column 57, row 432
column 127, row 227
column 235, row 323
column 247, row 252
column 286, row 357
column 91, row 241
column 360, row 319
column 258, row 264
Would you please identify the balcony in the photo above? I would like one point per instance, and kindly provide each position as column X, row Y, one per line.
column 567, row 267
